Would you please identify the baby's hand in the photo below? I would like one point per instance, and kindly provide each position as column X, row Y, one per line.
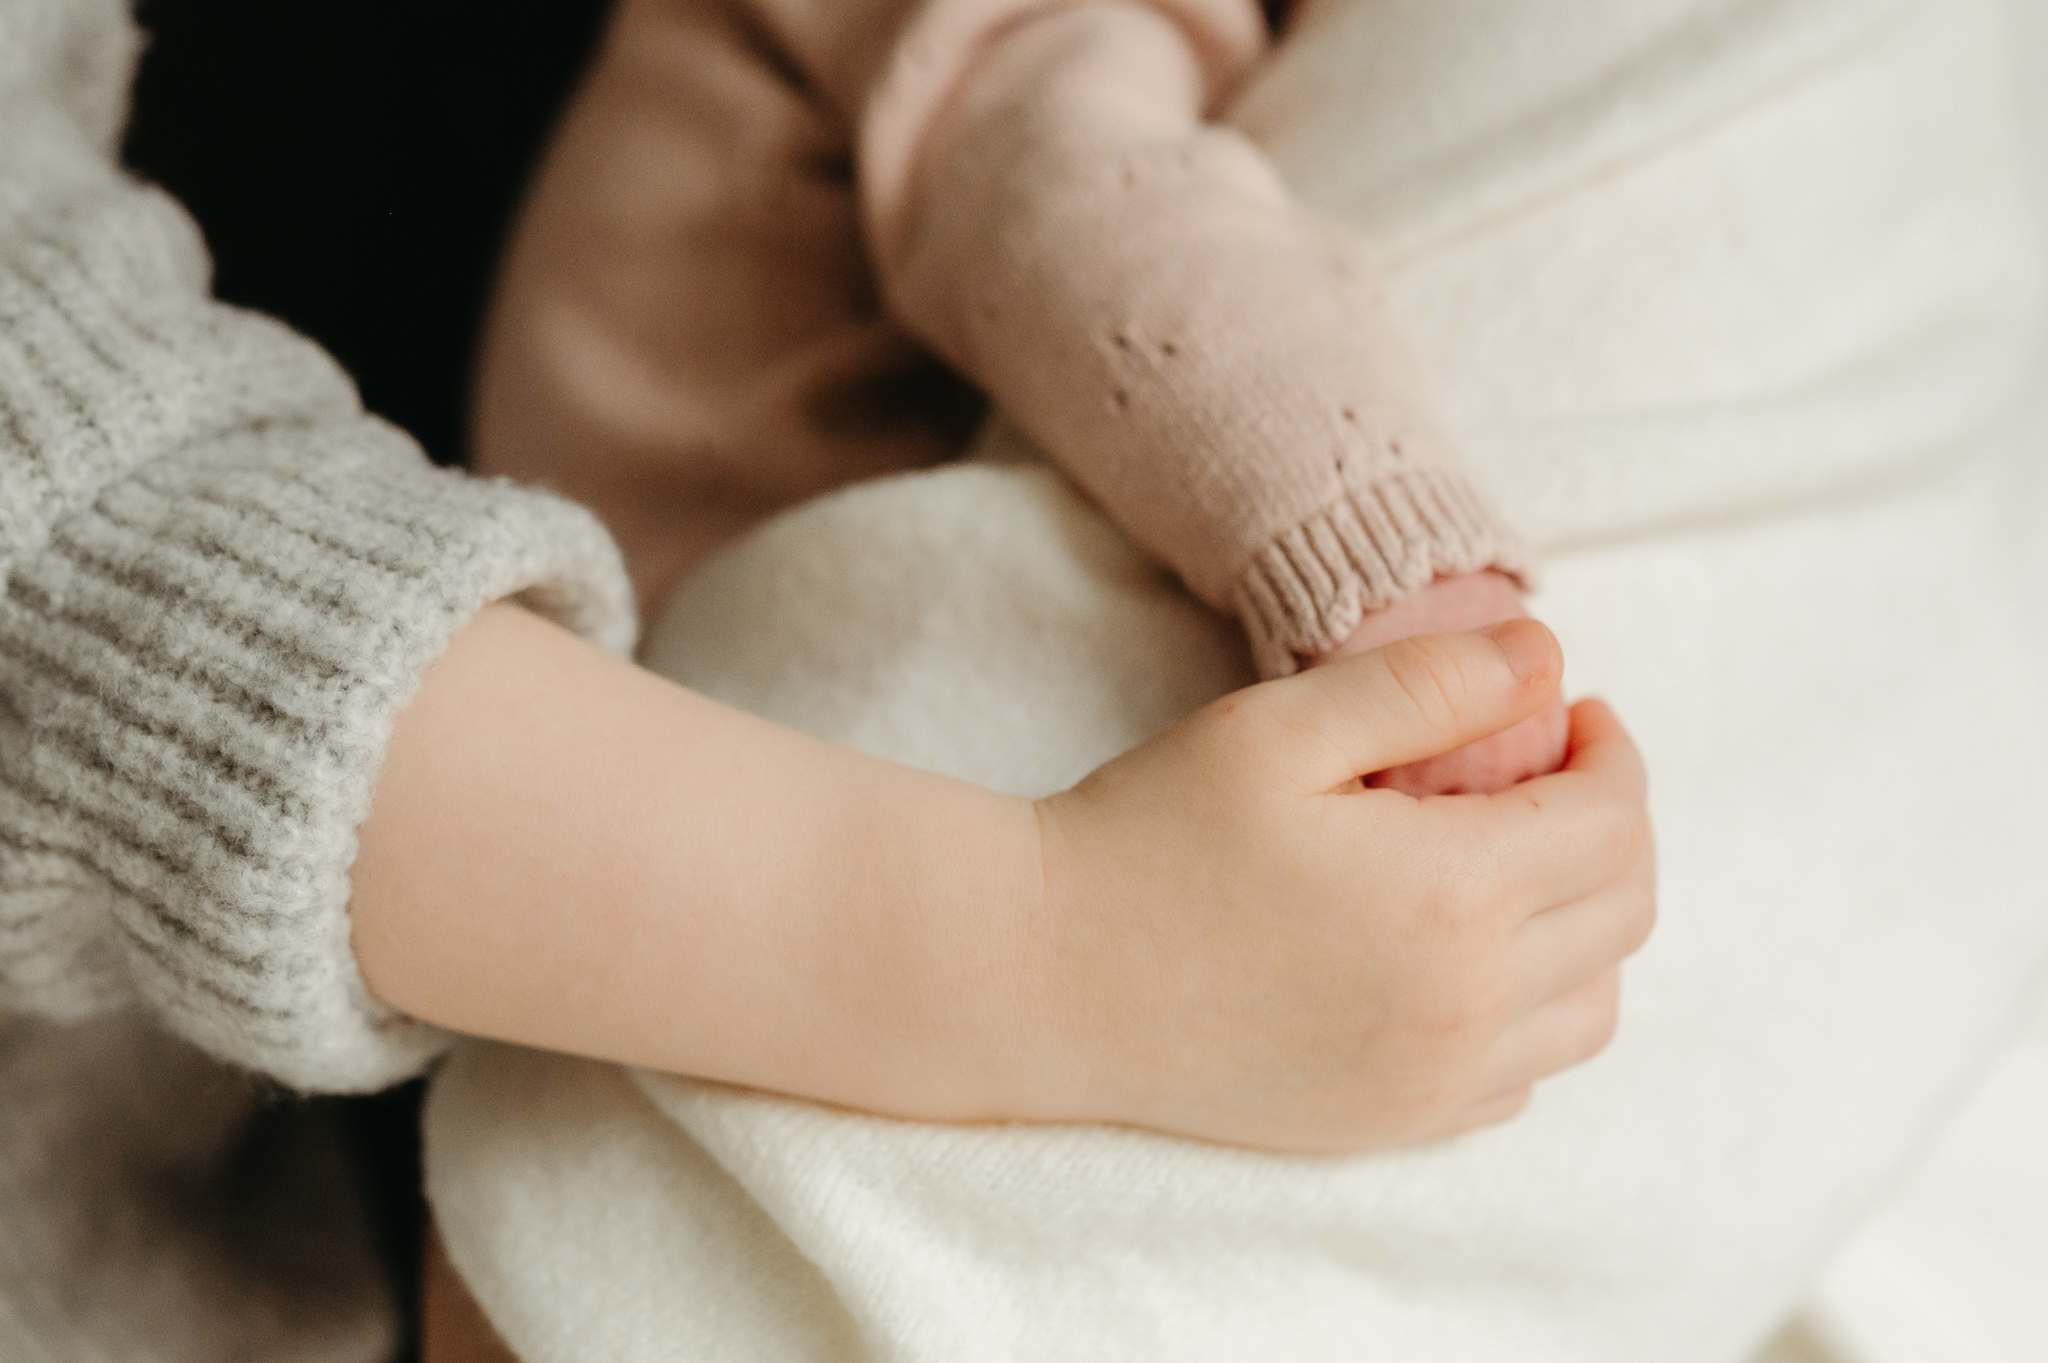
column 1535, row 747
column 1239, row 944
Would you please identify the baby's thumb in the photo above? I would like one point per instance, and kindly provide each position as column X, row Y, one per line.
column 1414, row 699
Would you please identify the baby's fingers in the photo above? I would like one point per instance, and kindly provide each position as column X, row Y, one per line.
column 1561, row 837
column 1491, row 1111
column 1407, row 701
column 1565, row 1032
column 1601, row 747
column 1562, row 1033
column 1535, row 747
column 1557, row 951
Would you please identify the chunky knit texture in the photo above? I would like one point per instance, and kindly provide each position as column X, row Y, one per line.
column 219, row 582
column 223, row 580
column 750, row 204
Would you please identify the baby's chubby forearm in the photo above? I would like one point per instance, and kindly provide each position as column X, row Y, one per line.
column 570, row 852
column 1218, row 935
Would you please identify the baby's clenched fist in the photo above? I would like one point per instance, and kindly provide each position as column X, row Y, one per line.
column 1238, row 943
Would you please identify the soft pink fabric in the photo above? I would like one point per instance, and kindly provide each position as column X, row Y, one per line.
column 1044, row 202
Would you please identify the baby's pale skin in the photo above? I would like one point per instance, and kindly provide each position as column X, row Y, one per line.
column 721, row 897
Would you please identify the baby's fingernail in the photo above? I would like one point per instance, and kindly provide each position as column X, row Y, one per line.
column 1524, row 643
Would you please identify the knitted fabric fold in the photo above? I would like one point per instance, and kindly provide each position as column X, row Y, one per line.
column 941, row 42
column 222, row 583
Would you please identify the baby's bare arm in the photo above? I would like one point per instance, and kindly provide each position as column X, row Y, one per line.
column 570, row 852
column 1212, row 936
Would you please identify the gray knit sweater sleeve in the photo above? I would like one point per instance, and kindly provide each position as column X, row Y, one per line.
column 219, row 582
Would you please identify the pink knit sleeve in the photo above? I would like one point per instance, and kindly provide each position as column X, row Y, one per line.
column 1048, row 208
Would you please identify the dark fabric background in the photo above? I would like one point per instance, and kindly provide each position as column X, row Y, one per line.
column 354, row 166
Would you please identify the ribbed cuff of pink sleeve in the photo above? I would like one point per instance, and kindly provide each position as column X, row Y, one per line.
column 1307, row 590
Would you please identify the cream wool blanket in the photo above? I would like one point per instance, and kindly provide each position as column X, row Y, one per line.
column 1733, row 306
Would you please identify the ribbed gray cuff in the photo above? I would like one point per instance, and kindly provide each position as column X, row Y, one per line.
column 1307, row 591
column 205, row 666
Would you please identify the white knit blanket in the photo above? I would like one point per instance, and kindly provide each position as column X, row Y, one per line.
column 1731, row 304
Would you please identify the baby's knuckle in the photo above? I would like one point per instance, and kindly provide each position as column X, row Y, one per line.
column 1461, row 899
column 1461, row 1015
column 1428, row 1091
column 1430, row 679
column 1621, row 830
column 1262, row 723
column 1616, row 837
column 1226, row 732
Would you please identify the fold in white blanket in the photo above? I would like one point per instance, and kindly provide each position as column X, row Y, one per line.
column 1732, row 305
